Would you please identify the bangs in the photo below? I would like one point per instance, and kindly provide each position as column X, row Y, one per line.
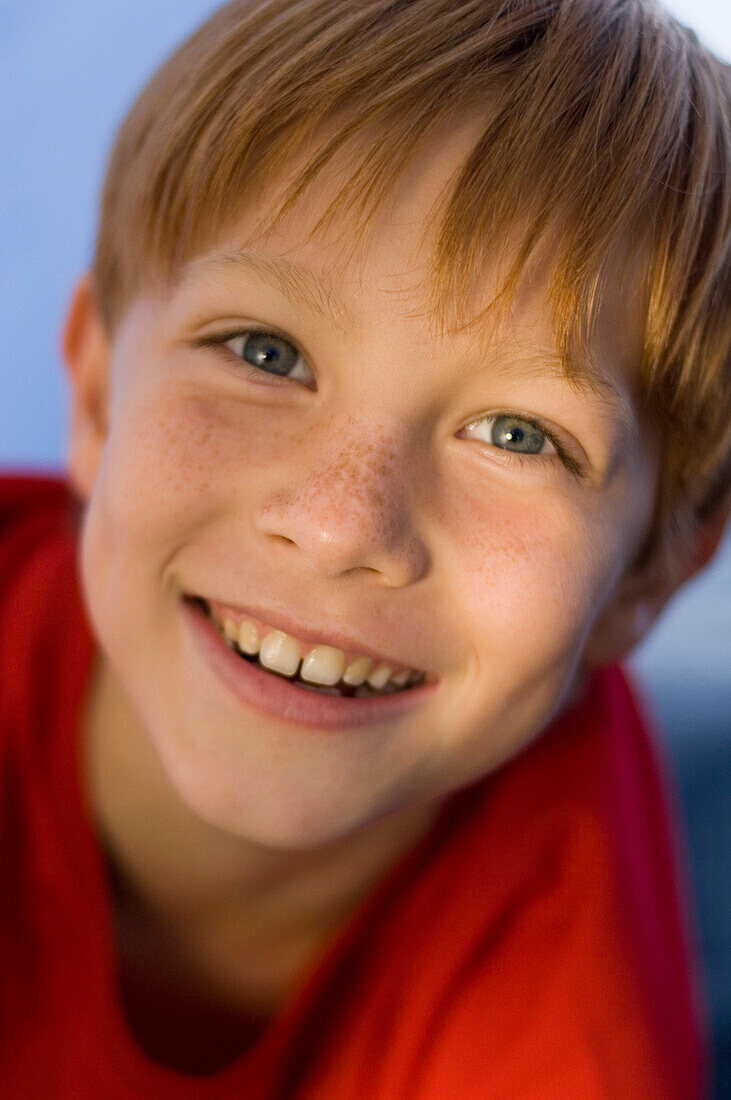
column 602, row 122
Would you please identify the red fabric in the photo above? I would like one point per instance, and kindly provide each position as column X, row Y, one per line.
column 537, row 944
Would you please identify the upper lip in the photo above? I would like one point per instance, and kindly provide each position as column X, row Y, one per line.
column 331, row 637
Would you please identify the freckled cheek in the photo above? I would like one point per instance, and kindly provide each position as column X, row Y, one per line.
column 528, row 574
column 174, row 463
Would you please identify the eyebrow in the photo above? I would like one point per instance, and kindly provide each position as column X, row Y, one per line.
column 583, row 374
column 303, row 287
column 311, row 291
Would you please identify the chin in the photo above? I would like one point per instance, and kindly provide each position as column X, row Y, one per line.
column 263, row 808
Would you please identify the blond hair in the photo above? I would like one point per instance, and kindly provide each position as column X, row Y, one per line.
column 606, row 110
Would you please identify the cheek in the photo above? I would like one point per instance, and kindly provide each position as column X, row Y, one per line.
column 156, row 484
column 176, row 467
column 531, row 571
column 171, row 464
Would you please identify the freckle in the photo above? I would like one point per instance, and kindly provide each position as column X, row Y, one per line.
column 361, row 468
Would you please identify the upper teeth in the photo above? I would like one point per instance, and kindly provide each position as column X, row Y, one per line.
column 322, row 664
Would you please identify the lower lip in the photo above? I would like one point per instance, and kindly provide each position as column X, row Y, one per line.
column 272, row 695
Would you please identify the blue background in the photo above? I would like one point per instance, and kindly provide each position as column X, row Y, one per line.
column 70, row 69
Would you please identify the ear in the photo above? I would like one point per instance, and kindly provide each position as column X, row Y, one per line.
column 86, row 353
column 642, row 595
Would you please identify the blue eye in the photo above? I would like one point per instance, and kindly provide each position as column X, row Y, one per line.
column 513, row 433
column 262, row 354
column 269, row 352
column 522, row 437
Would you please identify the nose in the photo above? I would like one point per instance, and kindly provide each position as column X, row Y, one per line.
column 347, row 508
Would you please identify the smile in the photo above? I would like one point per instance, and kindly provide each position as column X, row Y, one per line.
column 320, row 668
column 338, row 708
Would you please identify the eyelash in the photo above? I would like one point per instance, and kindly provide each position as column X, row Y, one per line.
column 524, row 459
column 256, row 374
column 218, row 342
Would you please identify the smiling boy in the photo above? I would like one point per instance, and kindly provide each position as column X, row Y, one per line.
column 382, row 459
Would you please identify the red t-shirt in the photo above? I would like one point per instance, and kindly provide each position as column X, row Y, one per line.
column 537, row 944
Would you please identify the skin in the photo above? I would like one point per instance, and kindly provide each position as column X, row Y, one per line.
column 356, row 501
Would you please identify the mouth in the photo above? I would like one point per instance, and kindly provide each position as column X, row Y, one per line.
column 335, row 708
column 403, row 682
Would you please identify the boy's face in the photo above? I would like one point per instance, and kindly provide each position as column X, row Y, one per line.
column 370, row 495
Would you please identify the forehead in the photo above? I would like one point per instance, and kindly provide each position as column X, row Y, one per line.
column 351, row 265
column 351, row 249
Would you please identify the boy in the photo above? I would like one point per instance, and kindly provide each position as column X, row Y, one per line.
column 400, row 390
